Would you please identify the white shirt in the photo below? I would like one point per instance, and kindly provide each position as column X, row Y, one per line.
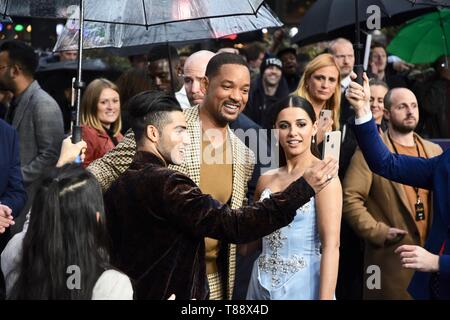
column 182, row 98
column 365, row 118
column 112, row 285
column 345, row 83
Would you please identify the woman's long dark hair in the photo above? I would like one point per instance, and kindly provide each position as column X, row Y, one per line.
column 292, row 101
column 63, row 232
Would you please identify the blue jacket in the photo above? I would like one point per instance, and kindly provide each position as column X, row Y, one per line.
column 432, row 174
column 12, row 192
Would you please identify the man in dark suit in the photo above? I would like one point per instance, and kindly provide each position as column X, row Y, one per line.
column 12, row 192
column 32, row 112
column 432, row 263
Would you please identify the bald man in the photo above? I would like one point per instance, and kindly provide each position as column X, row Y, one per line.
column 193, row 72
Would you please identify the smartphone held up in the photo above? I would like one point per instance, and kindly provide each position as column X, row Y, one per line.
column 332, row 145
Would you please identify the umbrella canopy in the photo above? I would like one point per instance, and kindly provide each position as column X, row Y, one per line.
column 130, row 12
column 137, row 38
column 134, row 12
column 423, row 39
column 88, row 65
column 441, row 3
column 329, row 19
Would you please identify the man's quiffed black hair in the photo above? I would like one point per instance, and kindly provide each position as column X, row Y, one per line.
column 150, row 108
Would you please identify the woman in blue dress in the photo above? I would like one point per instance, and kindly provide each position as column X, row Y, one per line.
column 299, row 261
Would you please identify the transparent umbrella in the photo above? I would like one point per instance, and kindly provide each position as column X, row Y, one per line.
column 132, row 39
column 133, row 12
column 145, row 13
column 109, row 35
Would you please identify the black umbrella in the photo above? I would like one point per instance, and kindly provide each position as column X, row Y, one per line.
column 329, row 19
column 88, row 65
column 437, row 3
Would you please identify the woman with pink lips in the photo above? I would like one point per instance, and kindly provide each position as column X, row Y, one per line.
column 100, row 117
column 320, row 85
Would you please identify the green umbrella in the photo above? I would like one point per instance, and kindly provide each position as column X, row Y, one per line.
column 424, row 39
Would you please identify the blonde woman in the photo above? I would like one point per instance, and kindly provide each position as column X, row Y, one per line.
column 320, row 86
column 100, row 117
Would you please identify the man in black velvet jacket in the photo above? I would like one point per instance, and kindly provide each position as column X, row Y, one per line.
column 158, row 218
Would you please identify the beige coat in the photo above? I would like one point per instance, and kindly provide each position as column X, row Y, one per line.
column 372, row 205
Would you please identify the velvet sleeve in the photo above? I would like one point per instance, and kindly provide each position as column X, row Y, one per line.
column 413, row 171
column 203, row 216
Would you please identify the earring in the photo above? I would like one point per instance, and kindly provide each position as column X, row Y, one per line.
column 313, row 141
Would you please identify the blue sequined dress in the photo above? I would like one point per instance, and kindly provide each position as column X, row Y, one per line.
column 289, row 265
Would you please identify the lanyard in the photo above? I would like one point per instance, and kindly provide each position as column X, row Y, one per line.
column 419, row 207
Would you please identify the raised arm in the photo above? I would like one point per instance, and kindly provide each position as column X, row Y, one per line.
column 413, row 171
column 14, row 196
column 109, row 167
column 201, row 215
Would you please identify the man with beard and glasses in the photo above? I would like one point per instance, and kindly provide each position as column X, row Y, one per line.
column 399, row 220
column 32, row 112
column 432, row 263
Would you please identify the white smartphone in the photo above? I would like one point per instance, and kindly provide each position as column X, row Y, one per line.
column 325, row 115
column 332, row 145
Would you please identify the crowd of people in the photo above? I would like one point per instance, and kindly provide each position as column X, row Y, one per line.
column 204, row 178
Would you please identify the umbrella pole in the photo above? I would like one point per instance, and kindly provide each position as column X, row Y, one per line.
column 172, row 82
column 79, row 84
column 441, row 23
column 358, row 68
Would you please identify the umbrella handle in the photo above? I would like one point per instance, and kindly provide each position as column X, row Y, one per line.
column 76, row 137
column 359, row 70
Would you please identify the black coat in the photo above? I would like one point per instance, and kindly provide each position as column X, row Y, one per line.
column 258, row 105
